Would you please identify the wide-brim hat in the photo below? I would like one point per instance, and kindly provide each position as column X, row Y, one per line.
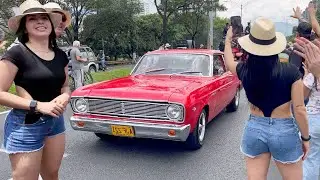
column 29, row 7
column 263, row 39
column 52, row 6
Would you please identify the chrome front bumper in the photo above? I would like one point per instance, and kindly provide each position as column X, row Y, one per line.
column 142, row 130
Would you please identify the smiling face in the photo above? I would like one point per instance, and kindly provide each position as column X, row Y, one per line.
column 38, row 25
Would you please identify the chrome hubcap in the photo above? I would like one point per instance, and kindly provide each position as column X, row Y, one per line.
column 202, row 127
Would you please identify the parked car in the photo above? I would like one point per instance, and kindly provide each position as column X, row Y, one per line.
column 170, row 94
column 92, row 65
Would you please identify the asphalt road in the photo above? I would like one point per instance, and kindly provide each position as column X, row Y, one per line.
column 87, row 157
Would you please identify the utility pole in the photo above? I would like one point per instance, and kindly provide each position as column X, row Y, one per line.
column 241, row 12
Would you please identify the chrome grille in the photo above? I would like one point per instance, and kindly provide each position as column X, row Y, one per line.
column 134, row 109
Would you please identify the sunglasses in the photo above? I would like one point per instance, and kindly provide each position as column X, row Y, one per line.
column 64, row 18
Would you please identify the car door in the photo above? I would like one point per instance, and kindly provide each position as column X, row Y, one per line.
column 229, row 80
column 91, row 56
column 84, row 54
column 216, row 96
column 221, row 83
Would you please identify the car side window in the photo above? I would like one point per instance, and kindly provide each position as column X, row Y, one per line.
column 218, row 66
column 83, row 53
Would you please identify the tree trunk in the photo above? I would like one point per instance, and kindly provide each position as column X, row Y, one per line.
column 165, row 22
column 76, row 29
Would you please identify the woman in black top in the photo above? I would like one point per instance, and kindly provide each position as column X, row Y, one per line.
column 34, row 129
column 270, row 87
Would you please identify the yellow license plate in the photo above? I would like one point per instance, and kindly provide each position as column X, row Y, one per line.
column 122, row 131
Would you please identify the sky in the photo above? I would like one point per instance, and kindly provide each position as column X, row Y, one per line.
column 277, row 10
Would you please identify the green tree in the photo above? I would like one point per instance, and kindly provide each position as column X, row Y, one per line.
column 194, row 17
column 166, row 8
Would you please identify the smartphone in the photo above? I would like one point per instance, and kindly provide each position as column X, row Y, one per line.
column 236, row 26
column 32, row 118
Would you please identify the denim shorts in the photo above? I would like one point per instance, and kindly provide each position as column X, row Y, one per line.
column 279, row 137
column 22, row 138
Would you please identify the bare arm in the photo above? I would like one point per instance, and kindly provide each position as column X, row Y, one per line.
column 229, row 58
column 313, row 18
column 8, row 72
column 65, row 88
column 299, row 107
column 81, row 59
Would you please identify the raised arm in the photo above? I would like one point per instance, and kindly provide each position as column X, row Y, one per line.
column 229, row 58
column 313, row 18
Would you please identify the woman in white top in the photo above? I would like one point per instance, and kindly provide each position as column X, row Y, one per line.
column 311, row 53
column 312, row 90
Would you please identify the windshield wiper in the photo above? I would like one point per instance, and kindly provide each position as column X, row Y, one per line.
column 189, row 72
column 155, row 70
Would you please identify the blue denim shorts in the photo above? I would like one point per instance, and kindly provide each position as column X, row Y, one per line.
column 22, row 138
column 280, row 137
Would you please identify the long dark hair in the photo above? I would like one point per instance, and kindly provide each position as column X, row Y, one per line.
column 24, row 38
column 259, row 73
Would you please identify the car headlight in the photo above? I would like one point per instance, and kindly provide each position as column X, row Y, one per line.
column 81, row 105
column 175, row 112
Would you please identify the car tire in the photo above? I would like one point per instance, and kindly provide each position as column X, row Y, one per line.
column 196, row 138
column 92, row 69
column 234, row 105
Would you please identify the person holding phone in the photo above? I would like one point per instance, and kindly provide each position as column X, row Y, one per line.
column 34, row 129
column 271, row 87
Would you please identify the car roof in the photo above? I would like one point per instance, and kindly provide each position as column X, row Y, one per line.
column 186, row 51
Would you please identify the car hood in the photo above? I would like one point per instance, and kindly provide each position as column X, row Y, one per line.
column 145, row 87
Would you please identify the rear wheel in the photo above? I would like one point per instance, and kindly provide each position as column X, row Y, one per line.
column 234, row 105
column 196, row 138
column 92, row 69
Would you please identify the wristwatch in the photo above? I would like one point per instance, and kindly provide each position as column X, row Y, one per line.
column 306, row 139
column 33, row 105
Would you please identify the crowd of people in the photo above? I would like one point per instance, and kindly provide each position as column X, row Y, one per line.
column 284, row 98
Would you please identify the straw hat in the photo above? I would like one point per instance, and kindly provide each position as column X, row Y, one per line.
column 263, row 39
column 52, row 6
column 31, row 7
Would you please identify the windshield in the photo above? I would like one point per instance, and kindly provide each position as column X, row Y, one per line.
column 187, row 64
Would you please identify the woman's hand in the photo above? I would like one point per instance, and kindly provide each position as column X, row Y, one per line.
column 311, row 9
column 305, row 148
column 311, row 53
column 297, row 13
column 63, row 99
column 50, row 108
column 229, row 35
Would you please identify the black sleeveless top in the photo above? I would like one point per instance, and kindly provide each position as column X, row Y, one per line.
column 42, row 79
column 278, row 91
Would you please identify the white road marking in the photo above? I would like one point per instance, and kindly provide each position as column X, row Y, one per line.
column 4, row 112
column 40, row 178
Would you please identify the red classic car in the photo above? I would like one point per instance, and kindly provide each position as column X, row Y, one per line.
column 170, row 94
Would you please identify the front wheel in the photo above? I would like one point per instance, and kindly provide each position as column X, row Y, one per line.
column 196, row 138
